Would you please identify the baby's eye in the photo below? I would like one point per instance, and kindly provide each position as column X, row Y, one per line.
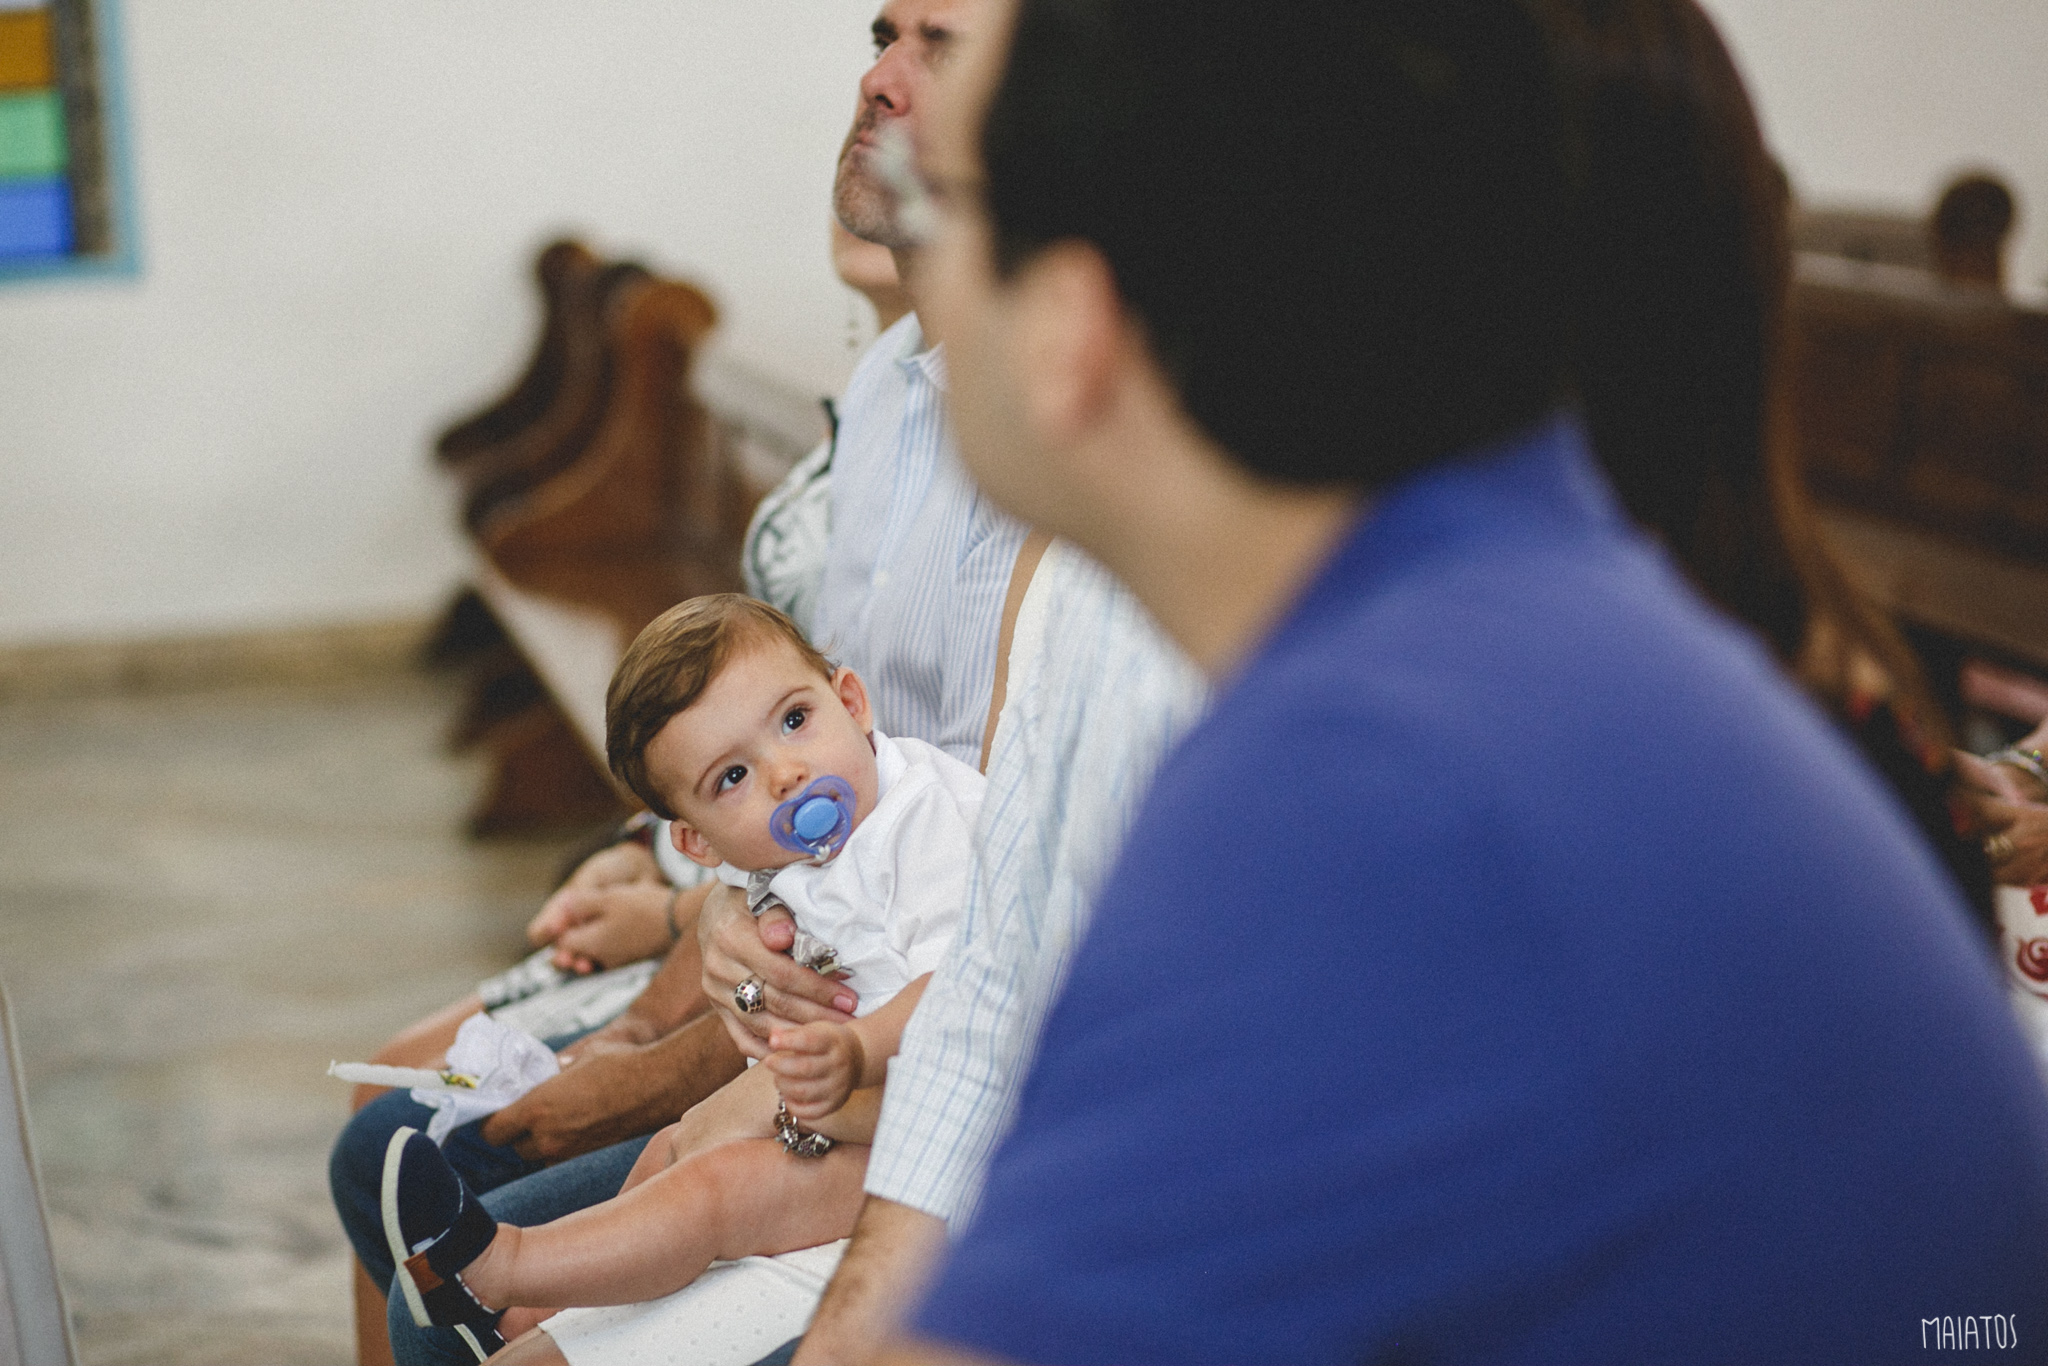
column 731, row 777
column 794, row 718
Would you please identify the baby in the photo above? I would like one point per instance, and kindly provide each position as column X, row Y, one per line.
column 726, row 721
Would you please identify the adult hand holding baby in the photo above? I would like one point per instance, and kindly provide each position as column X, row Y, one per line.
column 736, row 947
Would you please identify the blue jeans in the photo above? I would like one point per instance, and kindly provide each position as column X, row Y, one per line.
column 547, row 1193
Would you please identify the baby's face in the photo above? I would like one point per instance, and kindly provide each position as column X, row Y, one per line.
column 760, row 732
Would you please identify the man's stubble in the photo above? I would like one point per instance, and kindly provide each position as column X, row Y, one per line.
column 864, row 204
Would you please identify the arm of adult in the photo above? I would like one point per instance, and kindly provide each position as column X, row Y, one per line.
column 661, row 1056
column 612, row 1094
column 626, row 861
column 1980, row 777
column 613, row 926
column 917, row 1352
column 614, row 909
column 2024, row 826
column 621, row 871
column 736, row 946
column 894, row 1252
column 671, row 997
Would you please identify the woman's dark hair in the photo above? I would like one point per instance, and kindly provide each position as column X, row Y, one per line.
column 1340, row 222
column 1683, row 272
column 1682, row 276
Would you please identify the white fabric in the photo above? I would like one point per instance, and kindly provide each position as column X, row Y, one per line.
column 782, row 558
column 918, row 562
column 1096, row 697
column 547, row 1002
column 2023, row 948
column 890, row 900
column 489, row 1066
column 732, row 1315
column 576, row 1005
column 507, row 1063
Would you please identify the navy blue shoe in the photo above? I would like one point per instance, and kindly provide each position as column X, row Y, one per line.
column 436, row 1228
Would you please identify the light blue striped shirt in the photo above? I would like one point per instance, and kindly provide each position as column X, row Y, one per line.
column 1095, row 698
column 918, row 560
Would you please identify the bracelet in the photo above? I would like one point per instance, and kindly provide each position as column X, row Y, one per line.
column 797, row 1142
column 2028, row 761
column 675, row 934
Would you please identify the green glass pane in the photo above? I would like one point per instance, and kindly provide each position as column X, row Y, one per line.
column 31, row 134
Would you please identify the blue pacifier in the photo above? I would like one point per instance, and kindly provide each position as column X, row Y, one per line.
column 817, row 820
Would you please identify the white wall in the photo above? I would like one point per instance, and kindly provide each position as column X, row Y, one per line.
column 340, row 202
column 339, row 206
column 1878, row 102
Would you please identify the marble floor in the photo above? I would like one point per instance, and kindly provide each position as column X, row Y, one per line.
column 205, row 897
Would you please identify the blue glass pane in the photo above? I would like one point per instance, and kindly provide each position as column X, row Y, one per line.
column 35, row 218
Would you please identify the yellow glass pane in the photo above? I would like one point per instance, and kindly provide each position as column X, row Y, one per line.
column 25, row 50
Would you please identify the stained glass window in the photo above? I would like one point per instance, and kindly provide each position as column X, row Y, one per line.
column 61, row 200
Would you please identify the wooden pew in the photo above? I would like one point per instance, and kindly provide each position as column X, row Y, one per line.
column 556, row 436
column 563, row 274
column 1921, row 408
column 622, row 496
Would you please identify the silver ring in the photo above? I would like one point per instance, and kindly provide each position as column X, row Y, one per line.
column 750, row 995
column 1998, row 848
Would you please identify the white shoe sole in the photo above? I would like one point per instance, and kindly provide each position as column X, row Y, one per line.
column 388, row 1202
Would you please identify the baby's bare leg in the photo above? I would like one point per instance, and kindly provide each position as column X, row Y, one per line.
column 742, row 1108
column 519, row 1319
column 739, row 1199
column 653, row 1158
column 533, row 1348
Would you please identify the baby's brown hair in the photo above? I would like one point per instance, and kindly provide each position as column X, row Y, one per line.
column 669, row 665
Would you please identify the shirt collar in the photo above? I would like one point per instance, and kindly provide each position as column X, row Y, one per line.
column 890, row 763
column 916, row 358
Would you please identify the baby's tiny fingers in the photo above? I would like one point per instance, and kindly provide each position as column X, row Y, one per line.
column 802, row 1039
column 796, row 1066
column 813, row 1108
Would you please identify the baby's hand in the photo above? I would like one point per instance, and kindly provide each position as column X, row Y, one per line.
column 815, row 1067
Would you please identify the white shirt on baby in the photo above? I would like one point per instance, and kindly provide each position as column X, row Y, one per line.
column 890, row 899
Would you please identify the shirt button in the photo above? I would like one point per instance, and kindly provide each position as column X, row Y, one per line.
column 881, row 578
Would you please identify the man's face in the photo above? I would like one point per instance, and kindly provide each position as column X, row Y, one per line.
column 964, row 303
column 913, row 38
column 760, row 732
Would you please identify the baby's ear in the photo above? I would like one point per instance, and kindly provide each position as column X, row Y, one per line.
column 853, row 695
column 692, row 845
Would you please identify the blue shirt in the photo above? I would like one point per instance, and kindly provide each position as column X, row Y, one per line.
column 918, row 560
column 1577, row 996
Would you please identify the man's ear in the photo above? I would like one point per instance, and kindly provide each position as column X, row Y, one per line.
column 1069, row 333
column 691, row 845
column 853, row 695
